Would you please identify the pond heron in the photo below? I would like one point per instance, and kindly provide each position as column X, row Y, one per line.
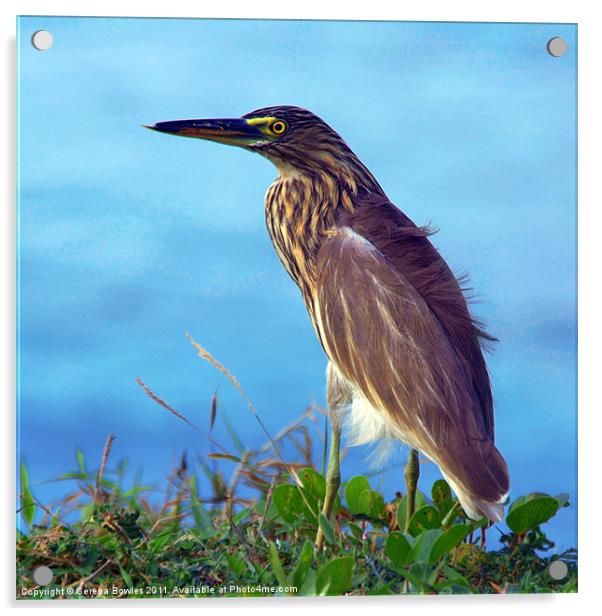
column 405, row 357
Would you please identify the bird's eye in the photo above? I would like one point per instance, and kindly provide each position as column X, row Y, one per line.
column 278, row 127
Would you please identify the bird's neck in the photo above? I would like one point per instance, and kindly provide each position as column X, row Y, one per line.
column 301, row 211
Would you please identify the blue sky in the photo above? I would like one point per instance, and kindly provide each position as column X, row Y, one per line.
column 129, row 239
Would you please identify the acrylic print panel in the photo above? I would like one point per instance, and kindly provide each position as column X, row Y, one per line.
column 173, row 437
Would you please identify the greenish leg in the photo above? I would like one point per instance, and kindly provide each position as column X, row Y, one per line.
column 338, row 395
column 412, row 473
column 333, row 475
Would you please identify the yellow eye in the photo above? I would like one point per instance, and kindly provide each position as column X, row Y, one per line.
column 278, row 127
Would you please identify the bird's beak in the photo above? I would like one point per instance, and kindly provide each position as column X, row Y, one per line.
column 231, row 131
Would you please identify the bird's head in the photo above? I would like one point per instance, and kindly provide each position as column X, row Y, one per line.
column 291, row 137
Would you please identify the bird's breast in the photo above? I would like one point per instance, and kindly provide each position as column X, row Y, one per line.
column 299, row 216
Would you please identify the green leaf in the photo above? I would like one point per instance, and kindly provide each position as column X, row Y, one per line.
column 310, row 506
column 277, row 565
column 356, row 530
column 236, row 564
column 199, row 513
column 448, row 541
column 397, row 548
column 55, row 518
column 521, row 500
column 442, row 496
column 353, row 491
column 81, row 464
column 242, row 515
column 309, row 586
column 126, row 576
column 299, row 574
column 402, row 508
column 288, row 501
column 272, row 512
column 452, row 515
column 161, row 540
column 313, row 482
column 482, row 523
column 326, row 528
column 531, row 513
column 385, row 589
column 418, row 574
column 421, row 552
column 425, row 518
column 78, row 475
column 334, row 578
column 28, row 505
column 372, row 504
column 458, row 585
column 135, row 491
column 454, row 580
column 232, row 433
column 87, row 512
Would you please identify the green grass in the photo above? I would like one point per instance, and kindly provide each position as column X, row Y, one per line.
column 227, row 545
column 253, row 534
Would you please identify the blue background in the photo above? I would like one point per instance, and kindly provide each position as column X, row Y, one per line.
column 128, row 239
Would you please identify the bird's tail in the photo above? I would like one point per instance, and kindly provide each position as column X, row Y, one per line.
column 481, row 484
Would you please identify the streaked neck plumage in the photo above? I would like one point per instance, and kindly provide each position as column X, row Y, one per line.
column 301, row 209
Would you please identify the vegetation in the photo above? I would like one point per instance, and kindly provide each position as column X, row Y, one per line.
column 254, row 534
column 122, row 546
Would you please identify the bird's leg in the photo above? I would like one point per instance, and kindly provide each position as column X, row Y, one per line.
column 412, row 473
column 333, row 477
column 338, row 395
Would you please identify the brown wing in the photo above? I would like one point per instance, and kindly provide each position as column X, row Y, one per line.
column 388, row 343
column 408, row 250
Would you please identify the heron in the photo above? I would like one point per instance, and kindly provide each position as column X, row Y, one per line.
column 405, row 355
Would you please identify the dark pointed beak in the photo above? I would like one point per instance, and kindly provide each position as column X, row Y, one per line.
column 231, row 131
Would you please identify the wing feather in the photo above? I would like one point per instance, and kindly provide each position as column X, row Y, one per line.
column 385, row 339
column 409, row 251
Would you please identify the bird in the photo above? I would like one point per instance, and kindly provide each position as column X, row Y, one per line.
column 405, row 355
